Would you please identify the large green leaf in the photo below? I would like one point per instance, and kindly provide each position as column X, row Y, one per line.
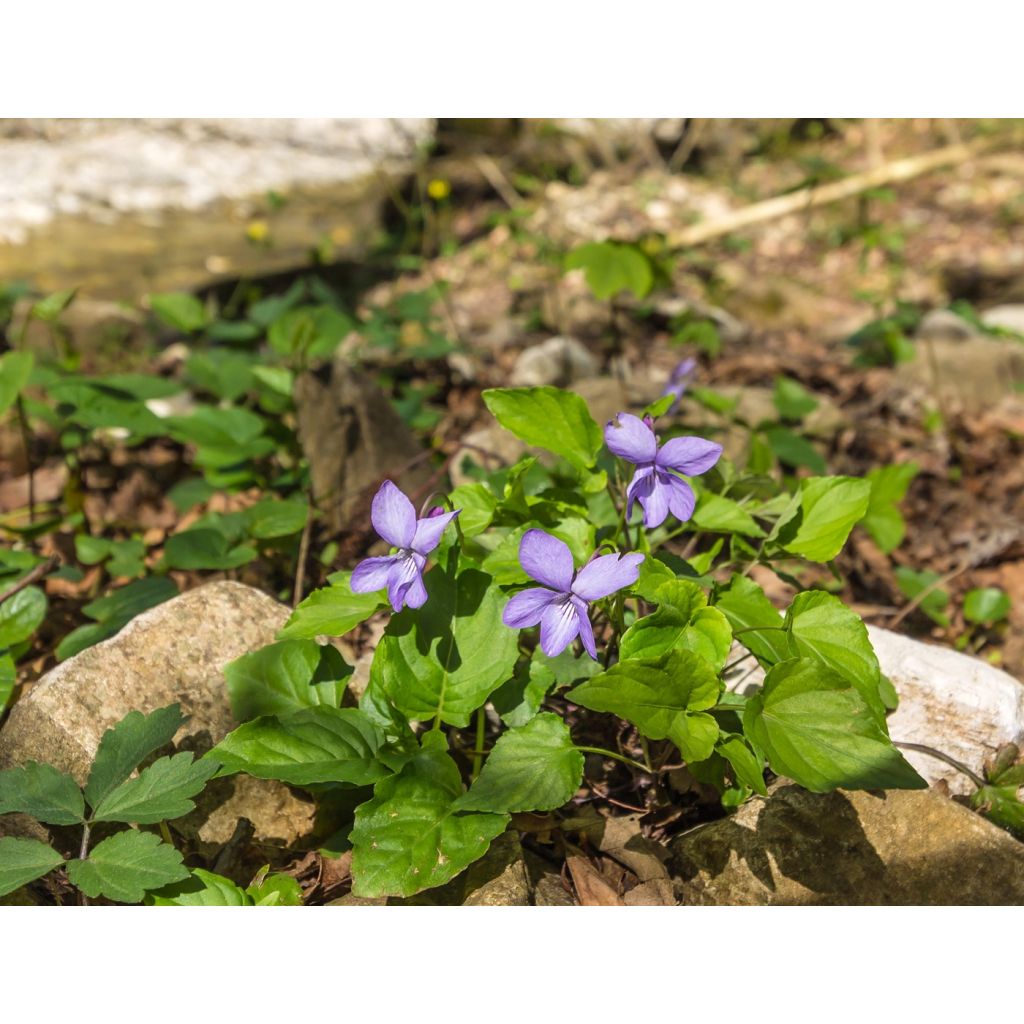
column 42, row 791
column 127, row 865
column 533, row 768
column 549, row 418
column 285, row 676
column 610, row 267
column 883, row 520
column 682, row 620
column 445, row 659
column 411, row 835
column 316, row 745
column 15, row 368
column 816, row 728
column 160, row 792
column 723, row 515
column 822, row 515
column 821, row 627
column 755, row 621
column 665, row 698
column 24, row 860
column 331, row 611
column 128, row 743
column 21, row 615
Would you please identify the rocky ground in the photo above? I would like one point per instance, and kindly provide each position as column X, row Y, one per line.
column 785, row 297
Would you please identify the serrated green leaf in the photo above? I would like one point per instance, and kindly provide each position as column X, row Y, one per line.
column 15, row 368
column 478, row 506
column 411, row 836
column 548, row 418
column 532, row 768
column 331, row 611
column 755, row 621
column 883, row 519
column 202, row 889
column 816, row 728
column 825, row 511
column 23, row 861
column 445, row 659
column 21, row 615
column 723, row 515
column 665, row 698
column 128, row 743
column 42, row 791
column 125, row 866
column 284, row 677
column 160, row 792
column 822, row 628
column 316, row 745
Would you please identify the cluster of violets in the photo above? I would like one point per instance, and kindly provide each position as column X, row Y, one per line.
column 560, row 605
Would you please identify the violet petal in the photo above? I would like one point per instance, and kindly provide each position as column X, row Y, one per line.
column 429, row 530
column 558, row 627
column 372, row 574
column 655, row 502
column 630, row 438
column 639, row 487
column 604, row 575
column 393, row 516
column 586, row 630
column 527, row 607
column 681, row 499
column 547, row 559
column 689, row 455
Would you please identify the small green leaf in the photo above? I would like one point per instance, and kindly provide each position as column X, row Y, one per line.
column 999, row 804
column 179, row 310
column 548, row 418
column 411, row 836
column 275, row 890
column 611, row 267
column 270, row 518
column 8, row 679
column 285, row 676
column 42, row 791
column 816, row 728
column 755, row 621
column 125, row 866
column 317, row 745
column 128, row 743
column 533, row 768
column 21, row 615
column 792, row 400
column 23, row 861
column 201, row 889
column 50, row 308
column 793, row 450
column 201, row 548
column 822, row 515
column 986, row 605
column 723, row 515
column 160, row 792
column 331, row 611
column 15, row 368
column 883, row 520
column 663, row 697
column 478, row 506
column 913, row 583
column 747, row 767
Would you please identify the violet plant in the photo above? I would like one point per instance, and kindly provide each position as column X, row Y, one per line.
column 550, row 602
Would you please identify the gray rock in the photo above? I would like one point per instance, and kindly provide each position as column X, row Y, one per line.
column 353, row 439
column 945, row 325
column 1009, row 317
column 175, row 652
column 559, row 361
column 499, row 878
column 903, row 848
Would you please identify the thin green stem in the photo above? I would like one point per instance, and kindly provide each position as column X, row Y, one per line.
column 940, row 756
column 616, row 757
column 481, row 727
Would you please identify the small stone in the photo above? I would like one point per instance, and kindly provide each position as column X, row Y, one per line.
column 499, row 878
column 174, row 653
column 945, row 325
column 559, row 361
column 1009, row 317
column 899, row 848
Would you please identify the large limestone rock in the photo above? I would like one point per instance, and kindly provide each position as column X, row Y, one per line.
column 952, row 702
column 796, row 848
column 175, row 652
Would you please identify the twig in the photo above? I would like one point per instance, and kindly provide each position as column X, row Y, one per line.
column 821, row 195
column 497, row 180
column 927, row 592
column 29, row 578
column 300, row 569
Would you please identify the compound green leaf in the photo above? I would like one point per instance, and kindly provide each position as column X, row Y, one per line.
column 548, row 418
column 533, row 768
column 316, row 745
column 663, row 697
column 160, row 792
column 42, row 791
column 125, row 866
column 815, row 727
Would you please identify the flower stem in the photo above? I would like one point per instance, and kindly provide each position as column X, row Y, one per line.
column 481, row 725
column 617, row 757
column 921, row 748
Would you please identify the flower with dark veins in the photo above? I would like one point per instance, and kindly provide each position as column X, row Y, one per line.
column 394, row 518
column 560, row 605
column 654, row 483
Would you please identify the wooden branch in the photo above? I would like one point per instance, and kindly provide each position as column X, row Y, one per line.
column 821, row 195
column 29, row 578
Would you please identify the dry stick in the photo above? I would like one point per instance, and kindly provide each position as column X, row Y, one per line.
column 27, row 580
column 498, row 181
column 931, row 588
column 300, row 569
column 821, row 195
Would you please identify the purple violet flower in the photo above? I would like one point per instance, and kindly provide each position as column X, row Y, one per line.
column 679, row 381
column 394, row 518
column 659, row 491
column 560, row 605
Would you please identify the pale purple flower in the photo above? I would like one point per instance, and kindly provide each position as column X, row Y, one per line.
column 394, row 518
column 560, row 605
column 658, row 490
column 679, row 381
